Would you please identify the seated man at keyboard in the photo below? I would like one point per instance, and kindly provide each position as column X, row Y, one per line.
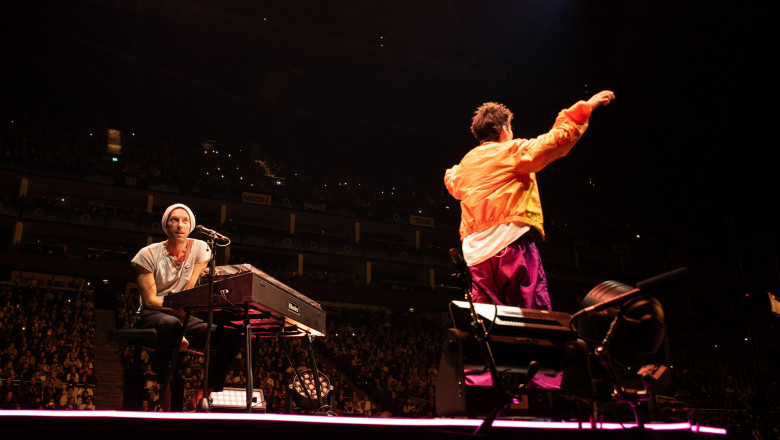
column 173, row 266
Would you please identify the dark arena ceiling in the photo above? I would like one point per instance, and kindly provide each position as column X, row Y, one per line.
column 682, row 152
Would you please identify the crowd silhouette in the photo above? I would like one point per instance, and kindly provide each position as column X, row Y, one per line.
column 47, row 345
column 380, row 362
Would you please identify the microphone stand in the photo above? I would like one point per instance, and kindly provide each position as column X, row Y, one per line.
column 619, row 394
column 602, row 352
column 204, row 405
column 481, row 334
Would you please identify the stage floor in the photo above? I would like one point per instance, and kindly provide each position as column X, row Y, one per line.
column 115, row 425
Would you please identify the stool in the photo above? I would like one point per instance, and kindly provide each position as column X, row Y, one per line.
column 134, row 375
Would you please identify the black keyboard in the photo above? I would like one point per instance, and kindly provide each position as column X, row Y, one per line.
column 243, row 290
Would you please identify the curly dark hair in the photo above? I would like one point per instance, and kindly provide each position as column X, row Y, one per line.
column 488, row 120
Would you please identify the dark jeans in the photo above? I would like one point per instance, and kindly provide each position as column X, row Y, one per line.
column 225, row 344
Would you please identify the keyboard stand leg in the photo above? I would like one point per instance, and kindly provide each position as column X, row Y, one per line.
column 249, row 377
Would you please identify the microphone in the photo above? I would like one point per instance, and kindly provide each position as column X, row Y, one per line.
column 211, row 233
column 664, row 280
column 463, row 273
column 457, row 260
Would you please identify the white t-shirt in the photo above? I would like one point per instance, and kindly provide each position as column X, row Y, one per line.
column 480, row 246
column 169, row 276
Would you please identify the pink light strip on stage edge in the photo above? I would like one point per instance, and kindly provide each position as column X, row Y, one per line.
column 607, row 426
column 362, row 420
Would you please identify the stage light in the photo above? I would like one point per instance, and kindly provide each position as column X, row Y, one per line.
column 639, row 331
column 234, row 399
column 623, row 330
column 305, row 393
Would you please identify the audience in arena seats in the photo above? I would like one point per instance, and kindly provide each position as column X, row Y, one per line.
column 374, row 372
column 46, row 342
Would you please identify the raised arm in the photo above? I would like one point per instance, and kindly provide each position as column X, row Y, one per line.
column 567, row 130
column 603, row 97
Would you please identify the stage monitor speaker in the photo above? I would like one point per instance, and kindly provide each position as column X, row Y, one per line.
column 517, row 336
column 464, row 389
column 454, row 396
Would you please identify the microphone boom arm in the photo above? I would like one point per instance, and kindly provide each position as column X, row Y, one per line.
column 214, row 235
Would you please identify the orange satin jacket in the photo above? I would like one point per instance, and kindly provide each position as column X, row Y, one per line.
column 496, row 182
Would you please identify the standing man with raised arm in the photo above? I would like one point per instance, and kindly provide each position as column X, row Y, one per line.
column 500, row 205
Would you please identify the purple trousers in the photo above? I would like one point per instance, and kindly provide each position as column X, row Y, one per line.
column 513, row 277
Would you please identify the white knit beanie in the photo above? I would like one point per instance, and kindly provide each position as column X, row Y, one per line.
column 176, row 206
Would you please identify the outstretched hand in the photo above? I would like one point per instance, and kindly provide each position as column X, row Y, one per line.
column 603, row 97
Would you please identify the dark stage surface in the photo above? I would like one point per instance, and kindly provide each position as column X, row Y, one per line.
column 121, row 424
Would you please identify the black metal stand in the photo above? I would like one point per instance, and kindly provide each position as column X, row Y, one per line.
column 314, row 370
column 250, row 387
column 619, row 394
column 501, row 398
column 319, row 404
column 203, row 404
